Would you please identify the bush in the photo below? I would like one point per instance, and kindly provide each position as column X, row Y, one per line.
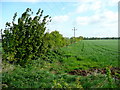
column 54, row 40
column 23, row 42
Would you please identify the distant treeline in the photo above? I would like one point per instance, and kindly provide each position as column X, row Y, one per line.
column 98, row 38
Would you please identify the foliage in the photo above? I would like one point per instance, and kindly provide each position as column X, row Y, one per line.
column 61, row 83
column 75, row 39
column 34, row 77
column 67, row 40
column 109, row 77
column 27, row 40
column 23, row 42
column 102, row 38
column 53, row 40
column 97, row 81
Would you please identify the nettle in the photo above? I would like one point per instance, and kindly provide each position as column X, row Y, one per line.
column 23, row 41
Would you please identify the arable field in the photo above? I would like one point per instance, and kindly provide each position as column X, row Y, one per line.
column 94, row 53
column 85, row 64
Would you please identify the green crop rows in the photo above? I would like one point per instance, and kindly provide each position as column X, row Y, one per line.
column 94, row 53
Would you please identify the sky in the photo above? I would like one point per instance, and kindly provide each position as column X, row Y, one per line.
column 91, row 18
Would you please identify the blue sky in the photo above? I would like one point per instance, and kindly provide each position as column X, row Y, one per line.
column 92, row 18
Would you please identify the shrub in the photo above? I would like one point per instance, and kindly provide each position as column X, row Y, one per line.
column 23, row 42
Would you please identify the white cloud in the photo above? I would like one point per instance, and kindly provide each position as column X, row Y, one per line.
column 40, row 0
column 95, row 5
column 89, row 6
column 113, row 2
column 111, row 20
column 82, row 8
column 106, row 20
column 110, row 15
column 100, row 25
column 58, row 22
column 60, row 19
column 108, row 2
column 30, row 0
column 86, row 1
column 20, row 0
column 102, row 22
column 82, row 20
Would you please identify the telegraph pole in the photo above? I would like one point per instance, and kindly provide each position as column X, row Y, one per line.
column 74, row 31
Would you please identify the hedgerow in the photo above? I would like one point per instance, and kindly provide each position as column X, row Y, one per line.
column 27, row 40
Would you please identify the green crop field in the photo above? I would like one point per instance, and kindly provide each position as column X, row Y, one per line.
column 94, row 53
column 73, row 67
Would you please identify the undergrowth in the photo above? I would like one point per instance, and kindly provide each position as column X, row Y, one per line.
column 51, row 73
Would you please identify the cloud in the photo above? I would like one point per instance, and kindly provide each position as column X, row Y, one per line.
column 20, row 0
column 60, row 19
column 101, row 13
column 111, row 20
column 107, row 17
column 58, row 22
column 103, row 24
column 82, row 8
column 89, row 6
column 100, row 25
column 82, row 20
column 113, row 2
column 94, row 5
column 30, row 0
column 40, row 0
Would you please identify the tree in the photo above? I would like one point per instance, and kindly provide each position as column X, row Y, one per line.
column 23, row 42
column 54, row 40
column 59, row 41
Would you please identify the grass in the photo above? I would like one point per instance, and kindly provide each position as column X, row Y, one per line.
column 38, row 76
column 52, row 72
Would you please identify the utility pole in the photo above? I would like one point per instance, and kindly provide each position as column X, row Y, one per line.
column 74, row 31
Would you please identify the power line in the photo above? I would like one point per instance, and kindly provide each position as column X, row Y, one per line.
column 74, row 31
